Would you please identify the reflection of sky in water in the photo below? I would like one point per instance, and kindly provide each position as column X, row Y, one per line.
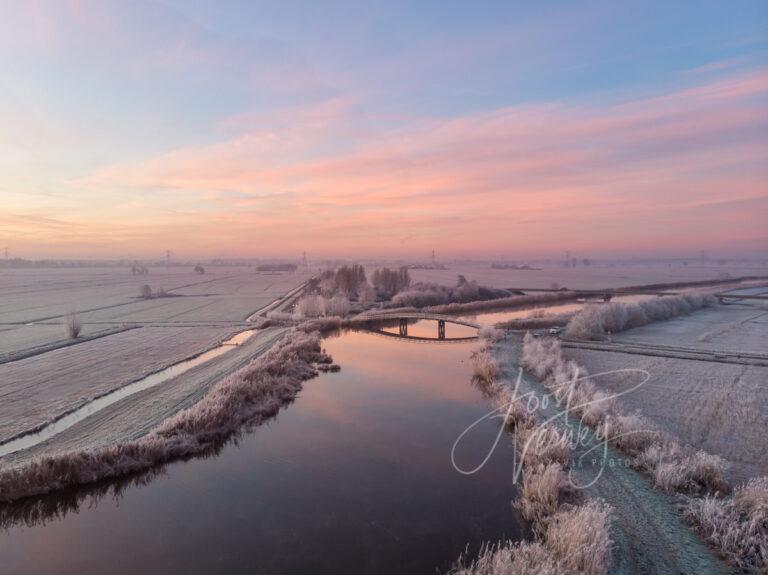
column 491, row 317
column 355, row 476
column 428, row 329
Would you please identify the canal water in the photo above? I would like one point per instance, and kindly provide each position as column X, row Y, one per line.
column 354, row 477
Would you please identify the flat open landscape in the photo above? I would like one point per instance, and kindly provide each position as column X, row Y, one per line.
column 709, row 404
column 34, row 303
column 45, row 374
column 595, row 276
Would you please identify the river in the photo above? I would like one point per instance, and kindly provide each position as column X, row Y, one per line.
column 354, row 476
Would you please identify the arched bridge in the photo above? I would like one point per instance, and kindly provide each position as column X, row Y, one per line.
column 403, row 317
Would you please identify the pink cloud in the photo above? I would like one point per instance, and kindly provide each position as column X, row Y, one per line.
column 530, row 176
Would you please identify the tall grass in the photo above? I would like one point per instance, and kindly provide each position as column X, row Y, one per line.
column 484, row 367
column 737, row 526
column 573, row 540
column 543, row 488
column 247, row 397
column 595, row 321
column 671, row 467
column 577, row 542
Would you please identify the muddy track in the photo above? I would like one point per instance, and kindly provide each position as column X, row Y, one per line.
column 648, row 534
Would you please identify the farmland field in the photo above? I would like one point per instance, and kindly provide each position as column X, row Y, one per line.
column 711, row 405
column 34, row 303
column 596, row 276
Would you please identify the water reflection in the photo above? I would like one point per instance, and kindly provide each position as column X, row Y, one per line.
column 355, row 476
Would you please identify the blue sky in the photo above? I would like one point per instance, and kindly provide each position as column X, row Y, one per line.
column 109, row 107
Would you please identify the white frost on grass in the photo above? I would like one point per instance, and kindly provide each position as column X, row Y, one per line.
column 569, row 539
column 595, row 321
column 671, row 467
column 61, row 380
column 249, row 396
column 576, row 543
column 737, row 525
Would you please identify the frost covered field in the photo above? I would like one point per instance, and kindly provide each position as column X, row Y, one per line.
column 719, row 407
column 595, row 276
column 40, row 388
column 45, row 374
column 34, row 303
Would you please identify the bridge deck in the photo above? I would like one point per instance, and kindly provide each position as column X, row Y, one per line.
column 418, row 315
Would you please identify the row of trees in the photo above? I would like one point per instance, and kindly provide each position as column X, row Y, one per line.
column 352, row 282
column 387, row 282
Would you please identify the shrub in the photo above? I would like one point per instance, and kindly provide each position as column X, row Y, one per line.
column 508, row 558
column 337, row 306
column 577, row 542
column 580, row 539
column 72, row 326
column 543, row 486
column 671, row 467
column 485, row 368
column 145, row 291
column 737, row 526
column 543, row 444
column 594, row 321
column 309, row 306
column 490, row 334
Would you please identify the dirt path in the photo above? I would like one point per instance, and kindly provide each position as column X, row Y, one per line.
column 137, row 414
column 648, row 534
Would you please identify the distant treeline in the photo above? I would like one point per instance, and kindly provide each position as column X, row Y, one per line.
column 277, row 268
column 21, row 263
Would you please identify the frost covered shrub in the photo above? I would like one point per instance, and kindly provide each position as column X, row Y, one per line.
column 671, row 467
column 72, row 326
column 312, row 306
column 337, row 306
column 421, row 295
column 631, row 433
column 699, row 472
column 577, row 542
column 737, row 525
column 580, row 539
column 484, row 367
column 594, row 321
column 509, row 558
column 309, row 306
column 249, row 396
column 490, row 334
column 543, row 486
column 543, row 444
column 511, row 408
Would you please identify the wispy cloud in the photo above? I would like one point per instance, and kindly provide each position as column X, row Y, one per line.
column 622, row 173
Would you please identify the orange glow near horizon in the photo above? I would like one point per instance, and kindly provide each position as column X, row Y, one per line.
column 675, row 172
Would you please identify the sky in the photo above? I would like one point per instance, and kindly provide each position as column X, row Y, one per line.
column 247, row 128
